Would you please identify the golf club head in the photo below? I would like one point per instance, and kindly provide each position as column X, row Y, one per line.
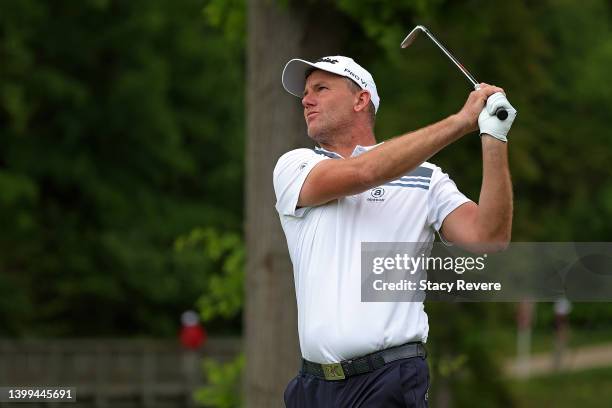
column 412, row 36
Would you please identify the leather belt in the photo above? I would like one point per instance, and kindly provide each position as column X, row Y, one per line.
column 365, row 364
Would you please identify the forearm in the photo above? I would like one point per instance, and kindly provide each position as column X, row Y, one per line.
column 404, row 153
column 333, row 179
column 494, row 220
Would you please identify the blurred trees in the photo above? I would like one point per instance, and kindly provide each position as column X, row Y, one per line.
column 121, row 128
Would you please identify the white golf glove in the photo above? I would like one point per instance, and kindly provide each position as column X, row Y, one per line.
column 490, row 124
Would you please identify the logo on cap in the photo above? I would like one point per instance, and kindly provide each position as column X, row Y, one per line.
column 329, row 60
column 356, row 77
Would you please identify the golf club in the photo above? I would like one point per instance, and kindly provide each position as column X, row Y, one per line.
column 501, row 113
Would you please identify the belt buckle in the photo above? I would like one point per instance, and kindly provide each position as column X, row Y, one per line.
column 333, row 371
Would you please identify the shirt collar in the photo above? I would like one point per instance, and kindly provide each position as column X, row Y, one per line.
column 356, row 152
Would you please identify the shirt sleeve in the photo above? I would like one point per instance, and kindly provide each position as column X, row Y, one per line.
column 444, row 197
column 290, row 173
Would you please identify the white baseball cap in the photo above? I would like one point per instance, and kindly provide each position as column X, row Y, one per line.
column 294, row 74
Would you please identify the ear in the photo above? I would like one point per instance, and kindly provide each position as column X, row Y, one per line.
column 362, row 100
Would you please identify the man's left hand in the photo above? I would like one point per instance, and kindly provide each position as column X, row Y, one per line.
column 489, row 123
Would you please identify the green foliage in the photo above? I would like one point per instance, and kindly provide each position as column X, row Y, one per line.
column 223, row 298
column 583, row 316
column 224, row 295
column 386, row 22
column 451, row 365
column 230, row 17
column 223, row 389
column 114, row 140
column 462, row 359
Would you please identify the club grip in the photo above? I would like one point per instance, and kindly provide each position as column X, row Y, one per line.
column 501, row 114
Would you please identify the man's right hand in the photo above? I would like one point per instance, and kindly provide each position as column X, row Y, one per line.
column 474, row 104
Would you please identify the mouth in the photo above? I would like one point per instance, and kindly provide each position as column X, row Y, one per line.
column 310, row 115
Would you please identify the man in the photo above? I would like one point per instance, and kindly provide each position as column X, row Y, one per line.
column 371, row 354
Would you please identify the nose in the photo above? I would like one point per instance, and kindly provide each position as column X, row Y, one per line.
column 308, row 101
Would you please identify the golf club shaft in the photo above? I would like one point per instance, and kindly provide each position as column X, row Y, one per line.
column 469, row 76
column 501, row 113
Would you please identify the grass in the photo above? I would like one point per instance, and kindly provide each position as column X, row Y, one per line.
column 585, row 389
column 542, row 341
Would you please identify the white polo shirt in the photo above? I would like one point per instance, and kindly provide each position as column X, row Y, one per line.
column 325, row 248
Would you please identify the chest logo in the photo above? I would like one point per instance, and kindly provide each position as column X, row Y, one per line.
column 377, row 194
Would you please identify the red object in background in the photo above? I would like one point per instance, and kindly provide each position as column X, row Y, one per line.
column 193, row 337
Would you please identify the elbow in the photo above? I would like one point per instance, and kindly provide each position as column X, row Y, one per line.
column 485, row 247
column 499, row 246
column 497, row 242
column 496, row 236
column 489, row 241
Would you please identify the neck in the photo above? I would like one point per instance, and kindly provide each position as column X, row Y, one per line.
column 344, row 143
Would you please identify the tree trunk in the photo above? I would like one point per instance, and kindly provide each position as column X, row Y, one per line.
column 275, row 125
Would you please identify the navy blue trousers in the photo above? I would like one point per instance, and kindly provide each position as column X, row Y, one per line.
column 401, row 383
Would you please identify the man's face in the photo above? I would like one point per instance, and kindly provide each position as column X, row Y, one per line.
column 328, row 105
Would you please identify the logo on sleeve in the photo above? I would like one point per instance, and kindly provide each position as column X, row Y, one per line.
column 376, row 194
column 303, row 166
